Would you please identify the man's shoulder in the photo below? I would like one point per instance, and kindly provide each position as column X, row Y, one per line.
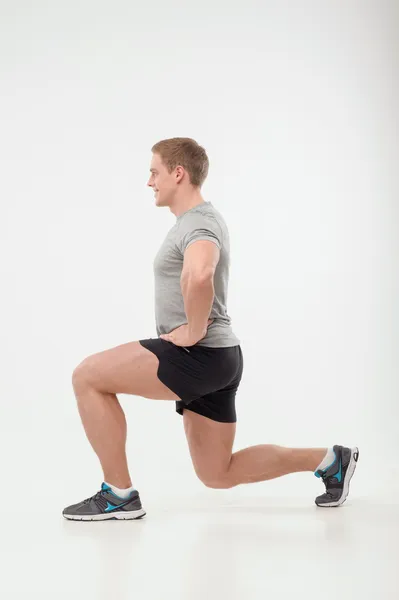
column 201, row 220
column 202, row 214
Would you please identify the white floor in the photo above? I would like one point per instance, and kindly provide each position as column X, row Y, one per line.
column 205, row 547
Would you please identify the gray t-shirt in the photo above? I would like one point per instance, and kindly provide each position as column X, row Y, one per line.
column 203, row 222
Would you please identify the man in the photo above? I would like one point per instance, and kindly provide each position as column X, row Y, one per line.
column 196, row 360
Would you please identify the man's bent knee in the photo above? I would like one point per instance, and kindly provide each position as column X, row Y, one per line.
column 221, row 482
column 82, row 374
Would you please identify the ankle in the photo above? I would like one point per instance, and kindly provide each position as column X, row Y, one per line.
column 118, row 482
column 120, row 492
column 306, row 459
column 318, row 456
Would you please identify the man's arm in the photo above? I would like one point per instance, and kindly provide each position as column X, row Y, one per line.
column 200, row 261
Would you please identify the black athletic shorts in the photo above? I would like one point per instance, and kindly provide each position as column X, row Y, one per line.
column 205, row 379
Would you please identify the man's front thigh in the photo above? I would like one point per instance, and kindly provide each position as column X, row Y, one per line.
column 126, row 369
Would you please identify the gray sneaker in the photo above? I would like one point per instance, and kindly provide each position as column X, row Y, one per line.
column 106, row 505
column 337, row 476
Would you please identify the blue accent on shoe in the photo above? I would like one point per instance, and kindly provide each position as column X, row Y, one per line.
column 339, row 474
column 106, row 488
column 112, row 507
column 326, row 469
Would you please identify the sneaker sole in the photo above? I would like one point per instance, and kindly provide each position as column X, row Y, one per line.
column 121, row 515
column 348, row 477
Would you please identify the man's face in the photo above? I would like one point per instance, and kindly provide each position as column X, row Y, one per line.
column 163, row 183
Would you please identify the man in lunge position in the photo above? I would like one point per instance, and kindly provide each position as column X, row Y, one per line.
column 196, row 360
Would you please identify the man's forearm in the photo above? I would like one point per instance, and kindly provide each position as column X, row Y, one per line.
column 198, row 294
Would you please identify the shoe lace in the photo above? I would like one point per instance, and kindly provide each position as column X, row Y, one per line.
column 95, row 497
column 329, row 483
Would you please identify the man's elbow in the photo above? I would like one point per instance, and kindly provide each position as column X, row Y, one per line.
column 199, row 277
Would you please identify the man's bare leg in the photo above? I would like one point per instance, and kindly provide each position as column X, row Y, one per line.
column 105, row 426
column 259, row 463
column 211, row 444
column 126, row 369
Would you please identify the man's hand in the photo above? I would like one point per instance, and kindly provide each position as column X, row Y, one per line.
column 181, row 336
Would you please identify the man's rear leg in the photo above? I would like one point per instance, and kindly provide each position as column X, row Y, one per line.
column 211, row 443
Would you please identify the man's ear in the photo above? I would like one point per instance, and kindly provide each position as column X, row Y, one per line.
column 179, row 173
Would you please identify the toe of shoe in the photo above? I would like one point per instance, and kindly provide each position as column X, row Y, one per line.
column 327, row 499
column 320, row 500
column 74, row 509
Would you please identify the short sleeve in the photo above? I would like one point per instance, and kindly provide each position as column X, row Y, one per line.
column 198, row 227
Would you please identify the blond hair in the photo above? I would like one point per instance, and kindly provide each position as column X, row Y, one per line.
column 187, row 153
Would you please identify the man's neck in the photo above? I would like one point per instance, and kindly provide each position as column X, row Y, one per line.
column 188, row 204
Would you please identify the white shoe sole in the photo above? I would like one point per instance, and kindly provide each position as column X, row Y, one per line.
column 121, row 515
column 348, row 477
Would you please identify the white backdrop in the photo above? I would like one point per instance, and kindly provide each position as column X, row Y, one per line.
column 296, row 104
